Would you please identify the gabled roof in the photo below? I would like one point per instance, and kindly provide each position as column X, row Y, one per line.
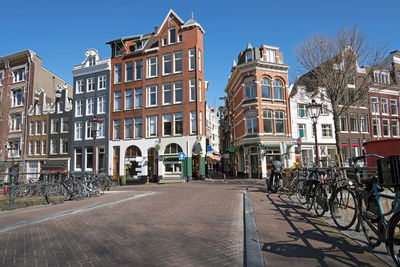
column 166, row 19
column 191, row 22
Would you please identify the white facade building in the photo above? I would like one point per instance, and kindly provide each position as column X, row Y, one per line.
column 212, row 127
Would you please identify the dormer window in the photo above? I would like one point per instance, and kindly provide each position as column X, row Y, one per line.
column 118, row 51
column 92, row 61
column 139, row 45
column 270, row 55
column 249, row 56
column 381, row 77
column 172, row 36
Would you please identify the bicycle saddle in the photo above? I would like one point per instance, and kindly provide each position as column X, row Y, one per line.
column 369, row 180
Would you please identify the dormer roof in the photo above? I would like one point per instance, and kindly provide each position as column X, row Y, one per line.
column 193, row 23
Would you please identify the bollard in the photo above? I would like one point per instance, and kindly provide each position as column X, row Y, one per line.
column 12, row 190
column 224, row 177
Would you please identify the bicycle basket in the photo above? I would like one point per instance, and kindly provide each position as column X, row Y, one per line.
column 389, row 171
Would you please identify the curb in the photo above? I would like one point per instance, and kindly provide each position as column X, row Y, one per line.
column 252, row 252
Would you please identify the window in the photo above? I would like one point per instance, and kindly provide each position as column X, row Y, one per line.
column 89, row 158
column 31, row 128
column 79, row 86
column 302, row 110
column 1, row 79
column 152, row 67
column 90, row 84
column 375, row 105
column 193, row 122
column 353, row 122
column 117, row 73
column 152, row 96
column 92, row 61
column 128, row 129
column 138, row 127
column 18, row 75
column 59, row 107
column 129, row 71
column 38, row 109
column 78, row 130
column 30, row 150
column 63, row 145
column 271, row 55
column 55, row 125
column 343, row 123
column 167, row 124
column 44, row 127
column 117, row 51
column 172, row 149
column 167, row 97
column 180, row 38
column 385, row 107
column 14, row 152
column 17, row 98
column 78, row 158
column 178, row 92
column 201, row 123
column 78, row 108
column 278, row 91
column 164, row 41
column 249, row 56
column 128, row 99
column 376, row 127
column 199, row 56
column 393, row 107
column 152, row 126
column 167, row 64
column 16, row 122
column 192, row 59
column 395, row 128
column 101, row 105
column 385, row 127
column 138, row 97
column 117, row 129
column 280, row 122
column 117, row 100
column 172, row 36
column 178, row 61
column 43, row 147
column 364, row 123
column 251, row 122
column 100, row 129
column 101, row 82
column 178, row 122
column 324, row 110
column 89, row 130
column 199, row 90
column 326, row 130
column 139, row 69
column 266, row 88
column 380, row 77
column 89, row 106
column 53, row 146
column 192, row 90
column 38, row 127
column 302, row 130
column 64, row 124
column 250, row 89
column 268, row 121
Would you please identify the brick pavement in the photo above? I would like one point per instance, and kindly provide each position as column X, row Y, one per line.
column 291, row 236
column 179, row 225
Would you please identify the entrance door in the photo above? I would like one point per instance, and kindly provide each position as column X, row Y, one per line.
column 196, row 159
column 116, row 162
column 254, row 166
column 152, row 165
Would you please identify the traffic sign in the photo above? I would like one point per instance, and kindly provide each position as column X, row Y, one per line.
column 181, row 156
column 209, row 148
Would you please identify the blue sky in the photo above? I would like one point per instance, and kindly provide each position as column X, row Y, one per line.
column 61, row 31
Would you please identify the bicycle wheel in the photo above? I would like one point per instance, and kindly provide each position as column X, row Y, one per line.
column 310, row 194
column 343, row 208
column 321, row 201
column 371, row 222
column 300, row 190
column 274, row 185
column 393, row 238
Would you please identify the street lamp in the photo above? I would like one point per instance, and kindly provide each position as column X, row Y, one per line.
column 94, row 122
column 314, row 110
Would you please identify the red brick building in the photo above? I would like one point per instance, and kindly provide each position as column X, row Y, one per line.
column 158, row 102
column 258, row 109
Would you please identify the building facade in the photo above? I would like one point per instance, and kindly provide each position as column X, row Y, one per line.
column 158, row 102
column 212, row 135
column 21, row 74
column 258, row 110
column 91, row 97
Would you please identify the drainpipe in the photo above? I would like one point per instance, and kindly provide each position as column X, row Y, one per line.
column 26, row 110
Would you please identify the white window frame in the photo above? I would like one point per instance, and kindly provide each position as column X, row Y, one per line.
column 79, row 108
column 192, row 59
column 126, row 71
column 166, row 90
column 396, row 127
column 102, row 82
column 16, row 75
column 192, row 90
column 141, row 127
column 79, row 86
column 75, row 161
column 177, row 59
column 170, row 34
column 125, row 128
column 150, row 64
column 303, row 127
column 193, row 122
column 119, row 137
column 149, row 123
column 249, row 56
column 388, row 127
column 200, row 98
column 115, row 100
column 149, row 92
column 178, row 89
column 141, row 69
column 166, row 61
column 36, row 147
column 385, row 106
column 375, row 105
column 364, row 117
column 126, row 99
column 166, row 120
column 378, row 126
column 324, row 130
column 61, row 146
column 90, row 84
column 78, row 133
column 180, row 39
column 174, row 126
column 89, row 106
column 101, row 105
column 117, row 73
column 393, row 102
column 38, row 129
column 86, row 159
column 199, row 59
column 137, row 95
column 31, row 128
column 44, row 147
column 62, row 130
column 200, row 123
column 88, row 130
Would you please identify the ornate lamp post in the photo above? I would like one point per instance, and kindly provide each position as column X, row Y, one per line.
column 314, row 110
column 94, row 123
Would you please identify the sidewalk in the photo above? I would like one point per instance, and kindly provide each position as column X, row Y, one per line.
column 289, row 235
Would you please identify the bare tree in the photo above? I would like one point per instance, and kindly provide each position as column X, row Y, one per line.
column 333, row 63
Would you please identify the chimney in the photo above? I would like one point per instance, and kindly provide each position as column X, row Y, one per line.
column 155, row 29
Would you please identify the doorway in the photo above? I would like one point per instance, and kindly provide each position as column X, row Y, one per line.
column 254, row 169
column 152, row 166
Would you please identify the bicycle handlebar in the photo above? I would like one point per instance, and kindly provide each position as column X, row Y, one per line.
column 355, row 159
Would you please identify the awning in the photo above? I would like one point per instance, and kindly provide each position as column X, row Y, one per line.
column 55, row 165
column 214, row 157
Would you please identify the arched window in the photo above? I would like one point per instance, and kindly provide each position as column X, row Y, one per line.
column 133, row 152
column 173, row 149
column 278, row 90
column 268, row 121
column 280, row 121
column 250, row 89
column 251, row 122
column 266, row 88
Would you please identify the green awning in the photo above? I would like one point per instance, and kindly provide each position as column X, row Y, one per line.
column 171, row 157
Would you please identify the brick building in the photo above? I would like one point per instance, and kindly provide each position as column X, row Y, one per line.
column 21, row 74
column 158, row 102
column 258, row 109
